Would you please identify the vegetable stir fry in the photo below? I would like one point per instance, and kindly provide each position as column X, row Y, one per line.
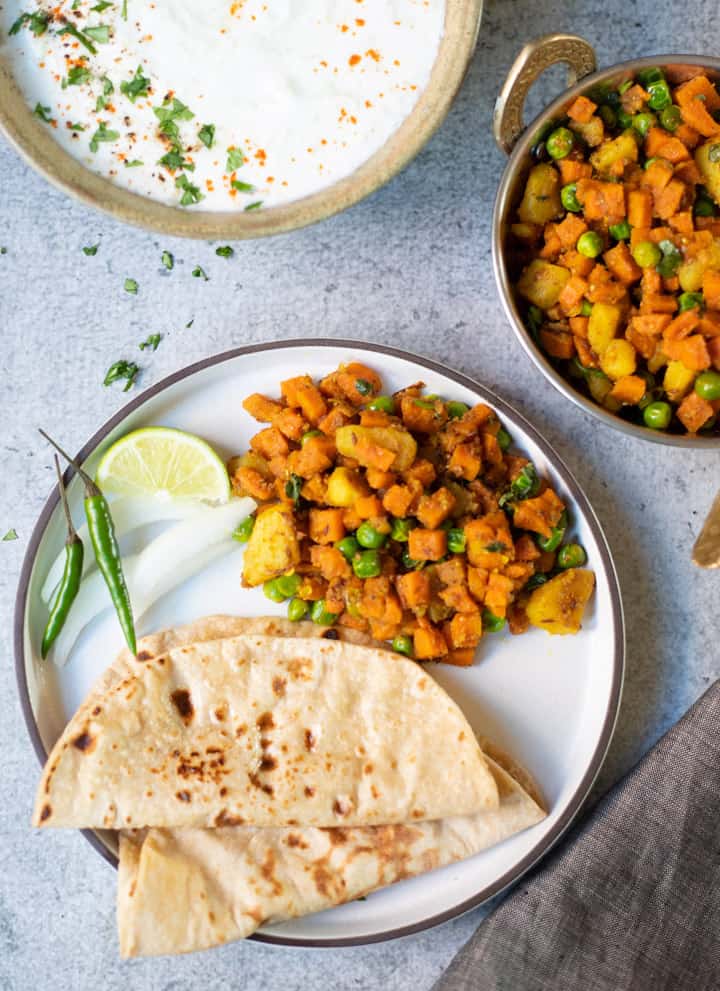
column 404, row 516
column 616, row 245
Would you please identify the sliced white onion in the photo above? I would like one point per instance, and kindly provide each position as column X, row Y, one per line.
column 168, row 561
column 128, row 513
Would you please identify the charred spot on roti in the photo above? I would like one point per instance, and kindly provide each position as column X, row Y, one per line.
column 300, row 668
column 46, row 812
column 131, row 892
column 294, row 840
column 241, row 730
column 182, row 701
column 278, row 685
column 221, row 713
column 417, row 814
column 268, row 763
column 97, row 710
column 267, row 868
column 328, row 882
column 223, row 818
column 145, row 655
column 331, row 634
column 309, row 792
column 211, row 916
column 310, row 740
column 265, row 722
column 337, row 835
column 461, row 736
column 256, row 782
column 368, row 769
column 223, row 792
column 84, row 742
column 183, row 796
column 342, row 806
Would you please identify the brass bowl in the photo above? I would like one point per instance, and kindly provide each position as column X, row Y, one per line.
column 36, row 145
column 514, row 138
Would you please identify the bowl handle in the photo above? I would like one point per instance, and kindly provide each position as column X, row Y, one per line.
column 533, row 60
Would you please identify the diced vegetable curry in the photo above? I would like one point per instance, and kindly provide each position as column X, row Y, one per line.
column 407, row 517
column 616, row 248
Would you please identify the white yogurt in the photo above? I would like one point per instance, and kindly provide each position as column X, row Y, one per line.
column 306, row 90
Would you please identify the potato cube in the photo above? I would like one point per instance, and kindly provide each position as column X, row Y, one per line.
column 273, row 548
column 618, row 359
column 678, row 380
column 558, row 605
column 603, row 325
column 541, row 200
column 542, row 282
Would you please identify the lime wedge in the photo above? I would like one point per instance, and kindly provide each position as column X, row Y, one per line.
column 165, row 463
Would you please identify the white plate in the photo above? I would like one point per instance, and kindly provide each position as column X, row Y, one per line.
column 549, row 701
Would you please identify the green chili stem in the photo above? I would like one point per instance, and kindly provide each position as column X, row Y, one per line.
column 105, row 547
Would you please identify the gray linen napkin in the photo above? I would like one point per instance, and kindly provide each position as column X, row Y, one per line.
column 632, row 899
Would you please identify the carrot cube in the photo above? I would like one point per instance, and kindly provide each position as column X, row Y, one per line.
column 622, row 264
column 629, row 389
column 414, row 589
column 692, row 352
column 694, row 412
column 434, row 509
column 698, row 86
column 465, row 462
column 581, row 110
column 640, row 207
column 427, row 545
column 326, row 525
column 428, row 641
column 261, row 408
column 711, row 289
column 683, row 325
column 465, row 629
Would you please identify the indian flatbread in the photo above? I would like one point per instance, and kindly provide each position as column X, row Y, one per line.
column 264, row 731
column 192, row 889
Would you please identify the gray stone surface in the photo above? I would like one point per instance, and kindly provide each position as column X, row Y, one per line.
column 410, row 267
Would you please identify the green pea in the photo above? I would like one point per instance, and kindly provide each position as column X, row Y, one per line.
column 456, row 410
column 608, row 116
column 689, row 300
column 289, row 584
column 643, row 122
column 560, row 143
column 657, row 416
column 320, row 615
column 242, row 532
column 308, row 435
column 624, row 120
column 671, row 118
column 348, row 547
column 670, row 261
column 647, row 77
column 660, row 98
column 571, row 556
column 297, row 610
column 383, row 404
column 568, row 198
column 621, row 231
column 403, row 645
column 704, row 206
column 456, row 541
column 646, row 254
column 504, row 439
column 492, row 623
column 590, row 244
column 586, row 308
column 557, row 536
column 707, row 385
column 401, row 529
column 366, row 564
column 272, row 592
column 367, row 536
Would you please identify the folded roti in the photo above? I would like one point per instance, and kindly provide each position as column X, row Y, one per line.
column 264, row 731
column 192, row 889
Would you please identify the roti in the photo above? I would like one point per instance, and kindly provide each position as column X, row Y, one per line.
column 264, row 731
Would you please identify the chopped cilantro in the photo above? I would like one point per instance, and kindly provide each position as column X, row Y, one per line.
column 206, row 134
column 225, row 252
column 136, row 87
column 79, row 36
column 102, row 134
column 42, row 112
column 99, row 8
column 235, row 159
column 151, row 343
column 199, row 273
column 10, row 535
column 168, row 261
column 191, row 194
column 99, row 33
column 77, row 75
column 37, row 22
column 91, row 250
column 126, row 371
column 131, row 287
column 254, row 206
column 242, row 187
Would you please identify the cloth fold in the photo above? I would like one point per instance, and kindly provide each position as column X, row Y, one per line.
column 631, row 899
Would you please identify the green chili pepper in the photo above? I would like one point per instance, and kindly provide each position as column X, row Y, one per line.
column 557, row 536
column 403, row 644
column 105, row 547
column 69, row 585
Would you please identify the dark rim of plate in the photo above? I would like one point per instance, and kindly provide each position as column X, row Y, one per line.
column 559, row 467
